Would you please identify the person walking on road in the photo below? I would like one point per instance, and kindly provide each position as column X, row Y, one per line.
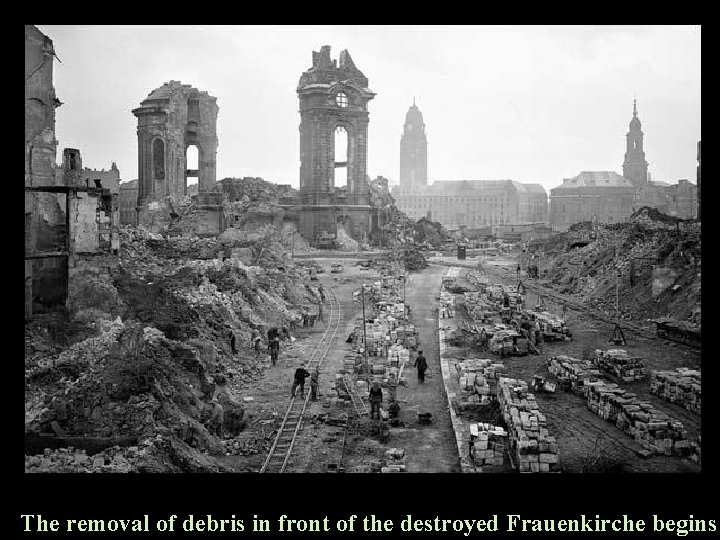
column 421, row 365
column 299, row 380
column 274, row 350
column 375, row 400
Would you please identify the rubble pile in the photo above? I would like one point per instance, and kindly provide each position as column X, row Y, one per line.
column 113, row 460
column 681, row 386
column 488, row 445
column 531, row 446
column 151, row 374
column 573, row 374
column 134, row 382
column 657, row 431
column 414, row 260
column 619, row 364
column 649, row 245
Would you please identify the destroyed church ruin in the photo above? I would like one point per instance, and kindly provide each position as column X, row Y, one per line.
column 334, row 193
column 171, row 120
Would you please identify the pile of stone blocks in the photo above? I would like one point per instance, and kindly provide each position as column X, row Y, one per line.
column 477, row 379
column 394, row 461
column 618, row 363
column 489, row 443
column 573, row 374
column 681, row 386
column 654, row 429
column 398, row 355
column 531, row 446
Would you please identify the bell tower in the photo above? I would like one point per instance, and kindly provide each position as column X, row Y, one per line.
column 635, row 167
column 413, row 149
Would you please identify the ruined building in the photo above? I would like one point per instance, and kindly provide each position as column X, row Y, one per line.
column 413, row 149
column 177, row 122
column 70, row 224
column 611, row 198
column 128, row 203
column 334, row 117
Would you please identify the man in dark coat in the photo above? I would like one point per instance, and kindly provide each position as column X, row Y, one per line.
column 274, row 350
column 375, row 400
column 421, row 365
column 300, row 375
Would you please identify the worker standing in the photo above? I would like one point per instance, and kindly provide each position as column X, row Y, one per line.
column 375, row 399
column 255, row 339
column 320, row 312
column 299, row 380
column 314, row 383
column 421, row 365
column 218, row 417
column 274, row 350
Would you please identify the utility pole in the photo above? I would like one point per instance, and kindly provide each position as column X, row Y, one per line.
column 362, row 294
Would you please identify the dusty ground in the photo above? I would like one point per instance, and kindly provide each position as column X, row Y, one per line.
column 580, row 433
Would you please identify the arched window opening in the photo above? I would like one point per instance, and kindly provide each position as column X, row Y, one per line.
column 158, row 152
column 341, row 157
column 192, row 165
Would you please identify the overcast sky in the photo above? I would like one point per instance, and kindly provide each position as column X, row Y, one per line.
column 534, row 104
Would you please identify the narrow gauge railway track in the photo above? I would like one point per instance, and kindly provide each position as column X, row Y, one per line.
column 281, row 449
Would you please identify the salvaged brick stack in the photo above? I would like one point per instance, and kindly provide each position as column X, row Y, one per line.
column 681, row 386
column 657, row 431
column 573, row 374
column 618, row 363
column 489, row 443
column 477, row 379
column 531, row 446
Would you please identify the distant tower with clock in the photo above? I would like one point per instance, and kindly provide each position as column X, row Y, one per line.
column 413, row 149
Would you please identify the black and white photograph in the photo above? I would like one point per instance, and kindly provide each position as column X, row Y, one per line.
column 362, row 249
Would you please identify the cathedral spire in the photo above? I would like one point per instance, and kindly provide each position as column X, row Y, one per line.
column 634, row 106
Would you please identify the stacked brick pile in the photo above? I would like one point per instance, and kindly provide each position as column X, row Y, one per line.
column 573, row 374
column 488, row 444
column 477, row 378
column 618, row 363
column 531, row 446
column 681, row 386
column 657, row 431
column 397, row 354
column 394, row 461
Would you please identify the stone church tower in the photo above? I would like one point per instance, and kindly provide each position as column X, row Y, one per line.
column 413, row 149
column 635, row 168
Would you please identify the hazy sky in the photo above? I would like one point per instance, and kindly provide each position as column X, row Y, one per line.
column 535, row 104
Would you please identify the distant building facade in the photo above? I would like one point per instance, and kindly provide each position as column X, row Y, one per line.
column 413, row 149
column 604, row 195
column 611, row 198
column 474, row 203
column 128, row 203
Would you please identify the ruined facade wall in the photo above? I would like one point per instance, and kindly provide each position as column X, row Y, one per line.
column 40, row 103
column 127, row 202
